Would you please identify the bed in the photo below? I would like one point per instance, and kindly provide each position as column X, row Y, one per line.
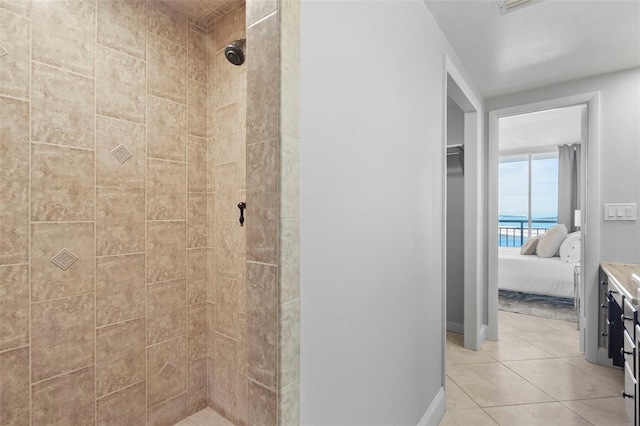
column 531, row 274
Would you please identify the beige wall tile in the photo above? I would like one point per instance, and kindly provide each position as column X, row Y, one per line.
column 120, row 220
column 211, row 219
column 120, row 356
column 166, row 310
column 167, row 130
column 14, row 306
column 160, row 389
column 62, row 106
column 242, row 343
column 49, row 281
column 14, row 387
column 166, row 251
column 15, row 39
column 211, row 341
column 211, row 380
column 227, row 78
column 290, row 404
column 197, row 52
column 242, row 414
column 242, row 282
column 211, row 165
column 109, row 171
column 168, row 413
column 197, row 104
column 258, row 9
column 226, row 185
column 122, row 26
column 14, row 139
column 196, row 164
column 262, row 324
column 120, row 288
column 226, row 381
column 289, row 177
column 227, row 246
column 64, row 34
column 290, row 67
column 289, row 260
column 263, row 409
column 125, row 407
column 227, row 147
column 14, row 222
column 167, row 23
column 62, row 336
column 19, row 7
column 196, row 219
column 224, row 31
column 289, row 335
column 211, row 109
column 262, row 196
column 226, row 300
column 197, row 392
column 65, row 400
column 263, row 81
column 167, row 69
column 62, row 183
column 196, row 276
column 166, row 195
column 197, row 332
column 122, row 85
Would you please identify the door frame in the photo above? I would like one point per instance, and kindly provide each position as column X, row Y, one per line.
column 474, row 221
column 590, row 227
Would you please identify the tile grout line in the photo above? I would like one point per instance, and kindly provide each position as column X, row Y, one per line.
column 30, row 237
column 95, row 219
column 146, row 207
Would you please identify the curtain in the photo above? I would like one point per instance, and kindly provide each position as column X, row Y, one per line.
column 568, row 184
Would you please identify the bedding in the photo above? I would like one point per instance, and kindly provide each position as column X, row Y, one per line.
column 532, row 274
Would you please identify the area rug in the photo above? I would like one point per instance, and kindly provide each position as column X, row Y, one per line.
column 559, row 308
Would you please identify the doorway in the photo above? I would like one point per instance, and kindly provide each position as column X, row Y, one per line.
column 589, row 172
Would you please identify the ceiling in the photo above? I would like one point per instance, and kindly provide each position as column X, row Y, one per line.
column 546, row 128
column 203, row 12
column 540, row 43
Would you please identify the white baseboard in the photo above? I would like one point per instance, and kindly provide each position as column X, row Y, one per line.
column 434, row 413
column 455, row 327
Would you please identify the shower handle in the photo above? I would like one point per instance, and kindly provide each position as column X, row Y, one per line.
column 242, row 206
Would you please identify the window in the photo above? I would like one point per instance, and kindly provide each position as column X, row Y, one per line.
column 527, row 196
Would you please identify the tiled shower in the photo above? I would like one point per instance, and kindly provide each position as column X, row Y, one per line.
column 129, row 292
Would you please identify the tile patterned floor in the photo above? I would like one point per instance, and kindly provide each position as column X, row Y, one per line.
column 533, row 375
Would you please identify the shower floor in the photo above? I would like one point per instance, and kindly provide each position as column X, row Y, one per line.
column 206, row 417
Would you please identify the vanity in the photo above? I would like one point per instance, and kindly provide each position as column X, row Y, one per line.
column 620, row 329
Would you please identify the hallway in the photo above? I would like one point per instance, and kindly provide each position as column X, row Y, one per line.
column 534, row 375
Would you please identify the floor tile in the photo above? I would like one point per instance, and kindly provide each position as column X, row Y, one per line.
column 509, row 322
column 492, row 384
column 611, row 375
column 459, row 355
column 601, row 412
column 456, row 338
column 475, row 417
column 456, row 398
column 561, row 380
column 556, row 343
column 510, row 347
column 546, row 414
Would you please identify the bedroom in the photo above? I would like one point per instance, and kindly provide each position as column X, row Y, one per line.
column 539, row 183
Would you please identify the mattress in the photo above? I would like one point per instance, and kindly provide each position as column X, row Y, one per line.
column 531, row 274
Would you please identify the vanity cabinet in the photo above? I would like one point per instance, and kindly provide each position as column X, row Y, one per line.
column 620, row 330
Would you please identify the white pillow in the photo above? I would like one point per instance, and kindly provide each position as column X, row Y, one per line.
column 551, row 240
column 570, row 248
column 529, row 247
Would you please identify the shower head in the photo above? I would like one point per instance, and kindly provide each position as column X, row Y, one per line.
column 234, row 52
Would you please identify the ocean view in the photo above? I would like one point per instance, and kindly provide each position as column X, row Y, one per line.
column 514, row 230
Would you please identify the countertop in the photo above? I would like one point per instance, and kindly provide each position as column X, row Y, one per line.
column 621, row 274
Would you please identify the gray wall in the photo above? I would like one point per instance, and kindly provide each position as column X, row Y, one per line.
column 455, row 219
column 371, row 176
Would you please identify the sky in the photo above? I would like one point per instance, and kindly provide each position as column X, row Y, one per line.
column 513, row 188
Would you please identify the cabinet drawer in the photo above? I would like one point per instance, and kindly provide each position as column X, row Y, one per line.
column 629, row 351
column 630, row 317
column 629, row 394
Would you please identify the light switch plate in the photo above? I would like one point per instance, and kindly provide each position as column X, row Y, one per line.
column 621, row 211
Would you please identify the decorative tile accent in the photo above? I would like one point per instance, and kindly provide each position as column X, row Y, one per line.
column 167, row 371
column 121, row 153
column 64, row 259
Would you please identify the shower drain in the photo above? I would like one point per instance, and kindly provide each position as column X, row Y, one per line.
column 167, row 370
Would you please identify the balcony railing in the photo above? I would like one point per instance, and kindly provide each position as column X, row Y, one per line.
column 516, row 235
